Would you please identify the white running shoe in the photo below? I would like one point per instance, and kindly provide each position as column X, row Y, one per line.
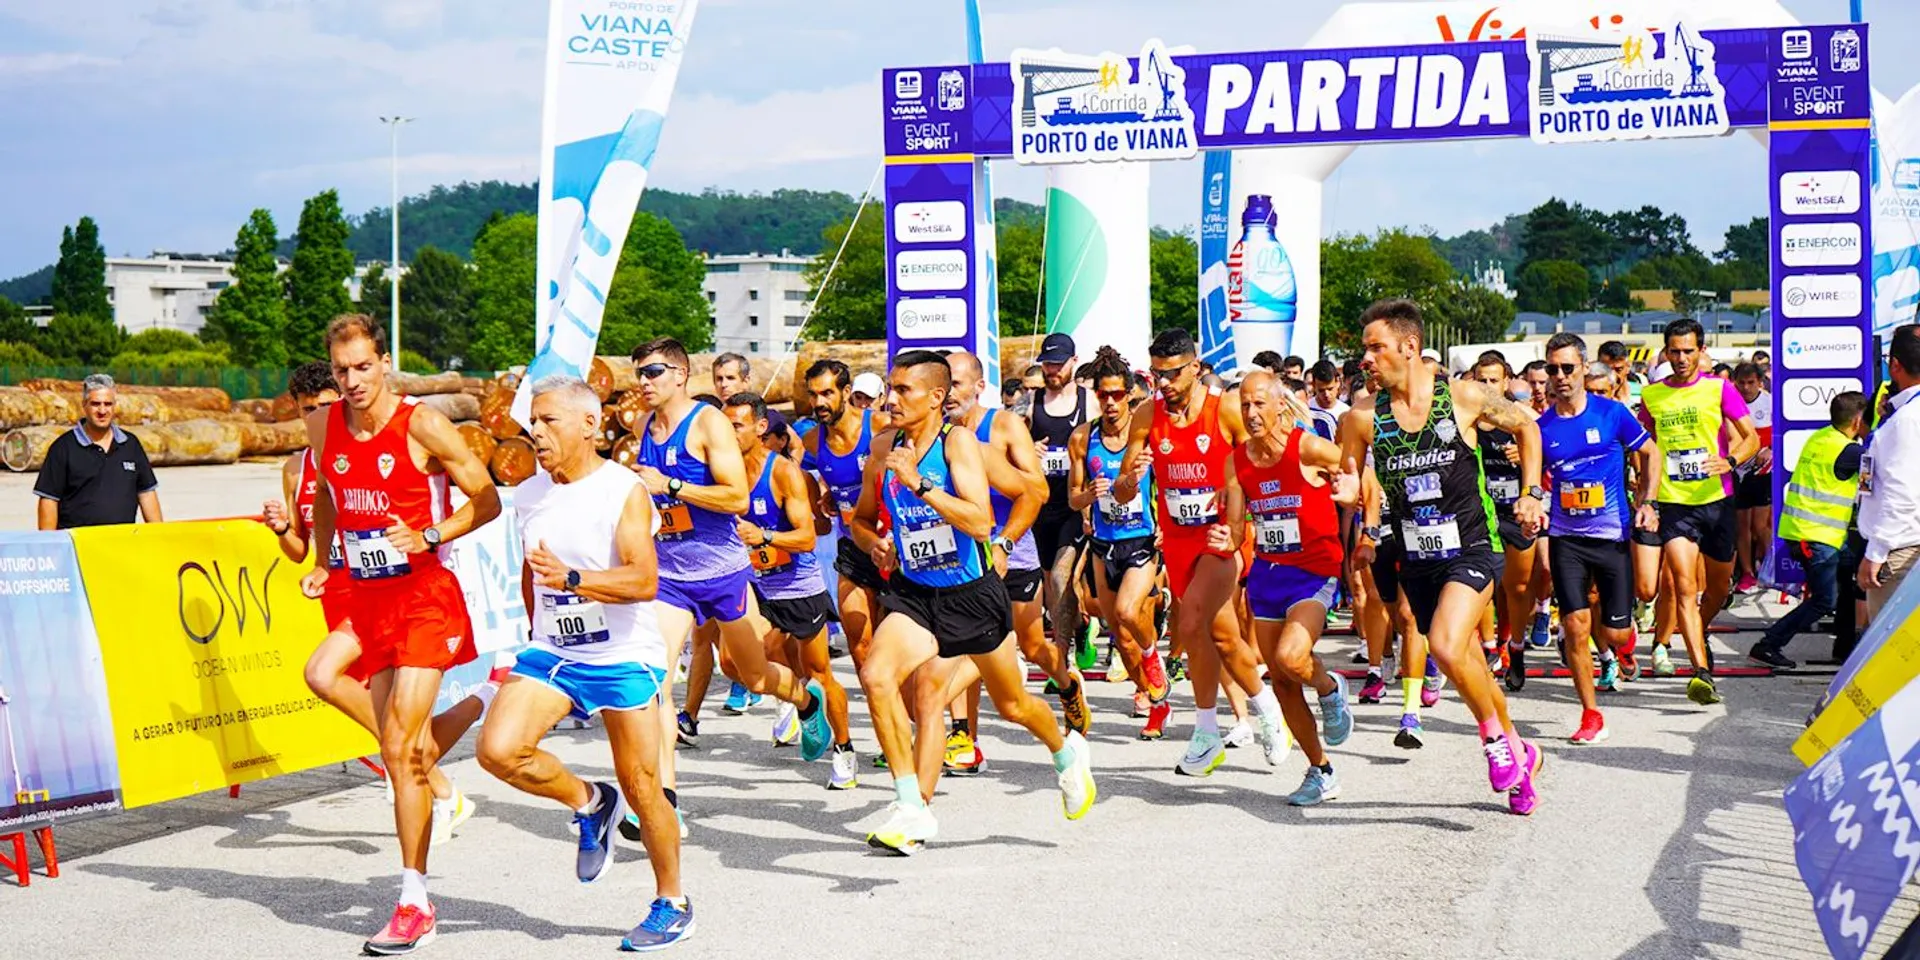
column 449, row 814
column 846, row 771
column 1077, row 791
column 1240, row 736
column 906, row 831
column 1205, row 753
column 1275, row 739
column 786, row 725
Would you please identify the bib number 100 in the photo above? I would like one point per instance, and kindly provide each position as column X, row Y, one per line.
column 570, row 626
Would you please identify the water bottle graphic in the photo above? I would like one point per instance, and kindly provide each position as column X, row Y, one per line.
column 1260, row 284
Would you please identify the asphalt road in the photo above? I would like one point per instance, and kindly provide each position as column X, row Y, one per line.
column 1668, row 841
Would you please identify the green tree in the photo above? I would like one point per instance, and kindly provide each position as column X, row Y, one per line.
column 251, row 315
column 436, row 298
column 1174, row 261
column 1471, row 313
column 376, row 295
column 161, row 340
column 1020, row 241
column 657, row 292
column 1557, row 230
column 14, row 325
column 1555, row 286
column 317, row 281
column 19, row 354
column 503, row 304
column 1355, row 271
column 80, row 276
column 852, row 304
column 412, row 362
column 81, row 339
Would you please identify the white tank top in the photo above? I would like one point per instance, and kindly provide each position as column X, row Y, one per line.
column 577, row 521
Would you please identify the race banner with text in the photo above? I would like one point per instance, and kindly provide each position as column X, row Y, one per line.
column 204, row 636
column 56, row 736
column 935, row 288
column 611, row 67
column 1216, row 334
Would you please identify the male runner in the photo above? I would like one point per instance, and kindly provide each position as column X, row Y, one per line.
column 779, row 532
column 1753, row 483
column 1057, row 533
column 1289, row 480
column 1184, row 441
column 1500, row 460
column 589, row 580
column 1588, row 438
column 312, row 388
column 1123, row 538
column 840, row 449
column 1703, row 428
column 690, row 463
column 947, row 600
column 1431, row 475
column 382, row 489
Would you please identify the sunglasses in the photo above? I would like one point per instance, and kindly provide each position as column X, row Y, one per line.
column 1163, row 376
column 1562, row 369
column 1113, row 394
column 654, row 371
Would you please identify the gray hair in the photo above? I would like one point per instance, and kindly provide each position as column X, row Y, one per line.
column 97, row 381
column 1599, row 368
column 746, row 369
column 573, row 391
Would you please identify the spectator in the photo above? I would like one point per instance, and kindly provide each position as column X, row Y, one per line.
column 867, row 388
column 96, row 473
column 1294, row 368
column 1813, row 521
column 1268, row 360
column 1890, row 479
column 1014, row 396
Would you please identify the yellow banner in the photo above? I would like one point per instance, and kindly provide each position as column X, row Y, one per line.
column 205, row 635
column 1890, row 668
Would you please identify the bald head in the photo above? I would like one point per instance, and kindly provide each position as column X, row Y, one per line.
column 1262, row 396
column 969, row 379
column 965, row 366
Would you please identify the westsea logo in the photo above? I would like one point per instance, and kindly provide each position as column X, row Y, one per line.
column 1819, row 191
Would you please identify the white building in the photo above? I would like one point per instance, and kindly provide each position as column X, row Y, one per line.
column 759, row 301
column 1493, row 276
column 174, row 291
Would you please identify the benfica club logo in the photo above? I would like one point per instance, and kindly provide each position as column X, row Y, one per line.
column 385, row 463
column 1203, row 442
column 340, row 463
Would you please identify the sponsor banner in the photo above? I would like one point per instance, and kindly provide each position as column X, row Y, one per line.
column 1896, row 212
column 1216, row 238
column 1097, row 258
column 1076, row 109
column 1819, row 147
column 1273, row 262
column 611, row 68
column 926, row 111
column 57, row 758
column 1622, row 85
column 487, row 563
column 934, row 278
column 1882, row 664
column 204, row 636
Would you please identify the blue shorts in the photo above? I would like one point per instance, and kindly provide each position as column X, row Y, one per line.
column 593, row 687
column 1274, row 589
column 723, row 598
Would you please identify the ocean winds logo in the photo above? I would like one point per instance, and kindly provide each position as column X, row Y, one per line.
column 1078, row 108
column 1625, row 86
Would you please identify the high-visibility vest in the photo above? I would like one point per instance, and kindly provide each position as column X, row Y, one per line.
column 1818, row 504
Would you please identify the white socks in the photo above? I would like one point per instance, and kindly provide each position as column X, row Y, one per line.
column 413, row 888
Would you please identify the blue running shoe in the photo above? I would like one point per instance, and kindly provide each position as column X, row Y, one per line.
column 1542, row 629
column 596, row 834
column 815, row 735
column 664, row 926
column 1609, row 676
column 1318, row 787
column 1336, row 717
column 736, row 700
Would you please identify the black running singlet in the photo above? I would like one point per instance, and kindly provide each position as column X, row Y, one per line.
column 1055, row 432
column 1503, row 475
column 1434, row 482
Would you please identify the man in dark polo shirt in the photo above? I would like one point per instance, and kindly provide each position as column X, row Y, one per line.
column 96, row 473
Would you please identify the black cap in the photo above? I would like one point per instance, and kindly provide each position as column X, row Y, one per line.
column 1056, row 348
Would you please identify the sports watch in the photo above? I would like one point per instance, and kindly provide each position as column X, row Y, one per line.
column 573, row 579
column 1537, row 492
column 431, row 535
column 924, row 487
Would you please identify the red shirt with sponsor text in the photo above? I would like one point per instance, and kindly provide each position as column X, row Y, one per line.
column 1189, row 468
column 375, row 479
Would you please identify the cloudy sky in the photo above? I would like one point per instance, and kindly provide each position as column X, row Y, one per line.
column 168, row 120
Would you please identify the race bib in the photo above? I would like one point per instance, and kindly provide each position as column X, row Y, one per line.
column 567, row 620
column 676, row 521
column 1118, row 514
column 1866, row 473
column 1505, row 490
column 1191, row 508
column 846, row 498
column 769, row 559
column 928, row 547
column 1582, row 499
column 1435, row 539
column 1424, row 486
column 1054, row 463
column 1277, row 535
column 371, row 556
column 1684, row 465
column 335, row 559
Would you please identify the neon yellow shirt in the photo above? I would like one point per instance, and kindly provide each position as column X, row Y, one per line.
column 1690, row 424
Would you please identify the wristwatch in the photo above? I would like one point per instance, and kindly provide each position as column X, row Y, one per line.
column 431, row 535
column 573, row 580
column 1537, row 492
column 1376, row 534
column 673, row 486
column 925, row 486
column 1005, row 545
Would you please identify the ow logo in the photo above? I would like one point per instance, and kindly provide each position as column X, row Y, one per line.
column 204, row 599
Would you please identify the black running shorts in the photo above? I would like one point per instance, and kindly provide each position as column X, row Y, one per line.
column 856, row 566
column 1583, row 563
column 1708, row 524
column 1023, row 586
column 1753, row 491
column 1386, row 569
column 1057, row 529
column 967, row 620
column 1116, row 557
column 1478, row 568
column 802, row 619
column 1512, row 537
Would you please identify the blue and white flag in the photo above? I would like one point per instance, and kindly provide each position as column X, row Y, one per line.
column 986, row 249
column 611, row 66
column 1216, row 334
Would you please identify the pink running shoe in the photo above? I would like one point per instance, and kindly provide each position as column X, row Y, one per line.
column 1523, row 799
column 1504, row 770
column 410, row 929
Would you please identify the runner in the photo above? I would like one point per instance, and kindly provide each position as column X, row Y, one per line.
column 779, row 531
column 588, row 581
column 690, row 463
column 385, row 462
column 1753, row 484
column 1431, row 475
column 311, row 387
column 947, row 600
column 1588, row 438
column 1058, row 532
column 1289, row 480
column 1703, row 429
column 1500, row 460
column 840, row 448
column 1122, row 550
column 1184, row 441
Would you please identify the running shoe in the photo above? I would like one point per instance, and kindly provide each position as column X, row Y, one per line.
column 1153, row 675
column 1662, row 661
column 1522, row 800
column 1516, row 678
column 1336, row 715
column 630, row 828
column 1412, row 735
column 786, row 725
column 815, row 735
column 1593, row 729
column 1768, row 657
column 449, row 814
column 964, row 758
column 1205, row 753
column 1430, row 690
column 1141, row 704
column 409, row 929
column 906, row 831
column 1085, row 654
column 1077, row 791
column 846, row 771
column 1504, row 770
column 1609, row 676
column 1375, row 689
column 1629, row 666
column 1359, row 656
column 739, row 699
column 1318, row 787
column 1240, row 735
column 1116, row 667
column 1177, row 669
column 879, row 760
column 1274, row 738
column 689, row 735
column 596, row 834
column 1073, row 705
column 680, row 818
column 664, row 926
column 1157, row 716
column 1496, row 662
column 1540, row 637
column 1747, row 584
column 1643, row 616
column 1701, row 690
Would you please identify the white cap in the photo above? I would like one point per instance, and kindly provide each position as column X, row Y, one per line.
column 870, row 384
column 1431, row 354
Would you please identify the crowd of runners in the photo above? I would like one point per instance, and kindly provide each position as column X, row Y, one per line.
column 1138, row 520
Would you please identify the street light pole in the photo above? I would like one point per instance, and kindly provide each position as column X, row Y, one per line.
column 393, row 282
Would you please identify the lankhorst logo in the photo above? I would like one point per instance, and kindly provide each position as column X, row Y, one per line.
column 929, row 222
column 1821, row 296
column 1820, row 191
column 1821, row 348
column 918, row 270
column 1820, row 244
column 931, row 318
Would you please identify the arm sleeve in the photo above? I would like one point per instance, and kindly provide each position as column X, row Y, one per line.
column 144, row 480
column 52, row 482
column 1846, row 466
column 1733, row 406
